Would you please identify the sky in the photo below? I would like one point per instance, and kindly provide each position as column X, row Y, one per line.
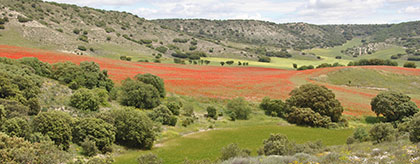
column 279, row 11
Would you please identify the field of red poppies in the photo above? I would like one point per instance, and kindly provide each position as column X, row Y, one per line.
column 252, row 83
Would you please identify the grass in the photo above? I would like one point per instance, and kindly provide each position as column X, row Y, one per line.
column 336, row 51
column 359, row 77
column 207, row 145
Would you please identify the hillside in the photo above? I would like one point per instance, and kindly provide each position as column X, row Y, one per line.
column 82, row 30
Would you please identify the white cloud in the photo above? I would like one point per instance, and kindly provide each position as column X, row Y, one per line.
column 411, row 10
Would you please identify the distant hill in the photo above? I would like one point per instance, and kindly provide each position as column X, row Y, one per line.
column 88, row 31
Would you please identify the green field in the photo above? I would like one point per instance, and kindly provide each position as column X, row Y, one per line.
column 207, row 145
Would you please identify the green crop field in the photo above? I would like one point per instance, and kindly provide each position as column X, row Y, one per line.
column 207, row 145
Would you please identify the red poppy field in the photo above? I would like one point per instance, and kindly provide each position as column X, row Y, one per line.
column 253, row 83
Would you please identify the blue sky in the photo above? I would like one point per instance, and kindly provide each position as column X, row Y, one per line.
column 279, row 11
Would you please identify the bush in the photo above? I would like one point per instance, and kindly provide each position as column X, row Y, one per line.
column 187, row 121
column 232, row 151
column 414, row 129
column 85, row 99
column 83, row 38
column 101, row 133
column 410, row 65
column 109, row 29
column 15, row 127
column 89, row 148
column 22, row 19
column 212, row 112
column 162, row 49
column 264, row 59
column 238, row 109
column 275, row 108
column 82, row 48
column 153, row 80
column 133, row 127
column 76, row 31
column 139, row 95
column 301, row 68
column 361, row 135
column 163, row 115
column 149, row 159
column 318, row 98
column 174, row 107
column 56, row 125
column 278, row 144
column 382, row 132
column 307, row 117
column 393, row 106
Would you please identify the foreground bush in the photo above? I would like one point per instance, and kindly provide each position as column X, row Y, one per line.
column 233, row 150
column 318, row 98
column 149, row 159
column 85, row 99
column 307, row 117
column 382, row 132
column 56, row 125
column 278, row 144
column 156, row 81
column 393, row 106
column 138, row 94
column 276, row 108
column 238, row 109
column 15, row 127
column 133, row 127
column 414, row 129
column 101, row 133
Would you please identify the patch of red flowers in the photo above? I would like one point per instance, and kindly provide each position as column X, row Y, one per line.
column 253, row 83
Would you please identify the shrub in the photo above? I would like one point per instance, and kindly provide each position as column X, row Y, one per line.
column 410, row 65
column 15, row 127
column 381, row 132
column 361, row 135
column 318, row 98
column 109, row 29
column 264, row 59
column 238, row 108
column 89, row 148
column 101, row 133
column 40, row 68
column 232, row 151
column 76, row 31
column 162, row 49
column 187, row 121
column 2, row 27
column 85, row 99
column 149, row 159
column 414, row 129
column 153, row 80
column 56, row 125
column 307, row 117
column 22, row 19
column 133, row 127
column 102, row 96
column 83, row 38
column 276, row 108
column 163, row 115
column 278, row 144
column 13, row 108
column 174, row 107
column 138, row 94
column 82, row 48
column 212, row 112
column 393, row 106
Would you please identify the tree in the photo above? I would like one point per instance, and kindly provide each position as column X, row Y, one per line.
column 139, row 95
column 163, row 115
column 56, row 125
column 278, row 144
column 307, row 117
column 18, row 127
column 318, row 98
column 94, row 130
column 174, row 107
column 212, row 112
column 295, row 66
column 381, row 132
column 393, row 106
column 410, row 65
column 85, row 99
column 238, row 108
column 133, row 127
column 264, row 59
column 222, row 63
column 276, row 108
column 156, row 81
column 414, row 129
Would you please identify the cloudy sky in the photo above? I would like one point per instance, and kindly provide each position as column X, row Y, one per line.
column 279, row 11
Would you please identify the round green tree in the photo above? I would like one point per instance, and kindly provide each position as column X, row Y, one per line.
column 156, row 81
column 393, row 106
column 139, row 95
column 85, row 99
column 56, row 125
column 96, row 130
column 318, row 98
column 16, row 126
column 238, row 109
